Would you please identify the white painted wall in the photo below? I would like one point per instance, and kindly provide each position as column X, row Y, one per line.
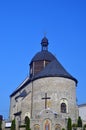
column 82, row 112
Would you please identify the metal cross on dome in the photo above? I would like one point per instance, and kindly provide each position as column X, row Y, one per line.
column 45, row 98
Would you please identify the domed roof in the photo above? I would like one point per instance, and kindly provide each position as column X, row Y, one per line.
column 43, row 55
column 54, row 69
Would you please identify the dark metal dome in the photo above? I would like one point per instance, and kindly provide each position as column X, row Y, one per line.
column 43, row 55
column 47, row 65
column 41, row 59
column 54, row 69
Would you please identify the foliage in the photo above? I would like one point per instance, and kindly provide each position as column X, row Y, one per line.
column 0, row 124
column 74, row 125
column 13, row 125
column 79, row 122
column 21, row 126
column 69, row 124
column 84, row 127
column 27, row 122
column 63, row 128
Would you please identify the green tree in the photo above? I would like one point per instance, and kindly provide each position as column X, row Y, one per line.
column 79, row 122
column 63, row 128
column 0, row 124
column 84, row 127
column 74, row 125
column 27, row 122
column 69, row 124
column 13, row 125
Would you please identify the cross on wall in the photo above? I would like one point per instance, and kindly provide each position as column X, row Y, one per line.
column 46, row 98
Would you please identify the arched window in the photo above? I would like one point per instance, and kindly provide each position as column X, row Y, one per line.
column 64, row 105
column 63, row 108
column 27, row 121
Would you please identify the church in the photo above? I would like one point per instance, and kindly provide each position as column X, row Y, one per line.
column 47, row 96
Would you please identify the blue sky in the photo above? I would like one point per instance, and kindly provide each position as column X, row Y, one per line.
column 23, row 24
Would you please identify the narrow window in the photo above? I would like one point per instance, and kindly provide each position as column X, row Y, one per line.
column 63, row 108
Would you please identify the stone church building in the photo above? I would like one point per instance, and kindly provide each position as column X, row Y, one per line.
column 47, row 96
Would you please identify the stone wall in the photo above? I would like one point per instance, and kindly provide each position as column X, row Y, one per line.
column 59, row 90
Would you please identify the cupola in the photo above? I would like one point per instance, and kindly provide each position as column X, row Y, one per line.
column 45, row 64
column 44, row 43
column 41, row 58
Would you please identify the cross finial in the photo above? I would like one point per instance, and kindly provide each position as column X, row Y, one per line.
column 45, row 33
